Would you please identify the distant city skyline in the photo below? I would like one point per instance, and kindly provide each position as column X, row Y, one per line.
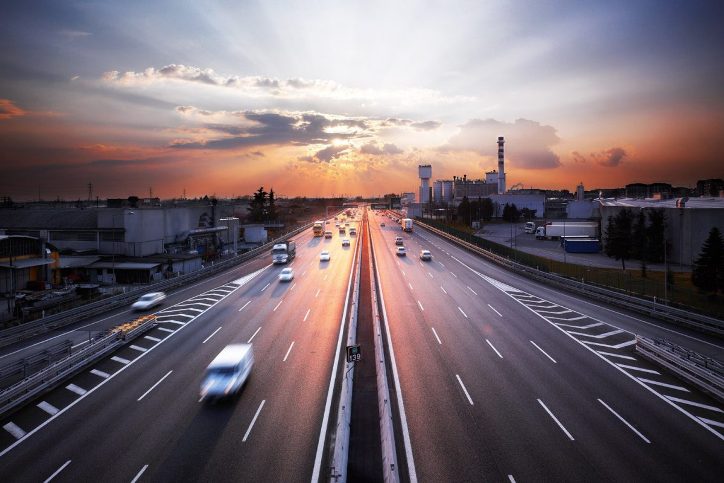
column 350, row 97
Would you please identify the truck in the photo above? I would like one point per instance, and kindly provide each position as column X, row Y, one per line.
column 530, row 227
column 283, row 252
column 318, row 228
column 406, row 224
column 553, row 231
column 580, row 245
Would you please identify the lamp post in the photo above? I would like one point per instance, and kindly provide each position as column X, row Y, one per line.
column 113, row 223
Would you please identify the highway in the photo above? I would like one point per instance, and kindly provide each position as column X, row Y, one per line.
column 138, row 415
column 505, row 379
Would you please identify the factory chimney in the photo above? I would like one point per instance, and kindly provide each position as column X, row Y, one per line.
column 425, row 173
column 501, row 165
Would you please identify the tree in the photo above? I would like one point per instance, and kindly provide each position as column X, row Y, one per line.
column 464, row 210
column 506, row 212
column 708, row 272
column 618, row 236
column 655, row 235
column 272, row 213
column 486, row 209
column 639, row 241
column 527, row 214
column 257, row 205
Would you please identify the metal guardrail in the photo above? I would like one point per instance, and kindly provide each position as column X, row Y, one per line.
column 675, row 315
column 45, row 380
column 18, row 370
column 705, row 373
column 61, row 319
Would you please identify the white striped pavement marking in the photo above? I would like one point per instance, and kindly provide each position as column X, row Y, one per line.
column 467, row 394
column 436, row 336
column 165, row 329
column 76, row 389
column 464, row 314
column 242, row 308
column 177, row 322
column 138, row 348
column 14, row 429
column 556, row 420
column 610, row 346
column 620, row 356
column 266, row 286
column 582, row 327
column 625, row 422
column 280, row 302
column 443, row 290
column 493, row 347
column 139, row 474
column 306, row 315
column 248, row 431
column 120, row 359
column 641, row 369
column 695, row 404
column 212, row 334
column 100, row 373
column 154, row 339
column 493, row 309
column 48, row 408
column 599, row 336
column 253, row 335
column 421, row 308
column 663, row 384
column 473, row 291
column 154, row 386
column 57, row 471
column 287, row 354
column 544, row 352
column 711, row 422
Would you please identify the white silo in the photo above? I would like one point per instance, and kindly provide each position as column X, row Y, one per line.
column 425, row 173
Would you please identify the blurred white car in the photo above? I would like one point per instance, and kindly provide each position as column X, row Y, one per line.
column 345, row 242
column 401, row 252
column 425, row 255
column 149, row 301
column 286, row 275
column 324, row 256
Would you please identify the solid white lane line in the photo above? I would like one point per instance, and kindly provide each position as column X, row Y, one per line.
column 165, row 329
column 287, row 354
column 317, row 294
column 663, row 384
column 421, row 308
column 467, row 394
column 266, row 286
column 453, row 274
column 154, row 339
column 98, row 373
column 556, row 420
column 409, row 285
column 14, row 429
column 212, row 334
column 436, row 336
column 511, row 479
column 696, row 404
column 641, row 369
column 464, row 314
column 292, row 287
column 624, row 421
column 154, row 386
column 443, row 290
column 493, row 309
column 711, row 422
column 253, row 421
column 80, row 344
column 443, row 265
column 306, row 315
column 48, row 408
column 244, row 306
column 280, row 302
column 493, row 347
column 138, row 348
column 253, row 335
column 473, row 291
column 139, row 474
column 57, row 471
column 544, row 352
column 76, row 389
column 611, row 354
column 430, row 275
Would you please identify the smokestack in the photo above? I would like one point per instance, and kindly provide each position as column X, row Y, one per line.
column 501, row 165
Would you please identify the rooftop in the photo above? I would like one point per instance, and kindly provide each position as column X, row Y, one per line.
column 691, row 203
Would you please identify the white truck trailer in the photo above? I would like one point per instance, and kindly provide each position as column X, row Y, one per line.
column 555, row 230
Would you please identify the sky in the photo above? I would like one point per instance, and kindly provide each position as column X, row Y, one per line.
column 322, row 98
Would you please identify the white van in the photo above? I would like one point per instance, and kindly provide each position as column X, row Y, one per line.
column 228, row 371
column 530, row 227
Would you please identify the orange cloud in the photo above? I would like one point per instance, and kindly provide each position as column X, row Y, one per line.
column 8, row 110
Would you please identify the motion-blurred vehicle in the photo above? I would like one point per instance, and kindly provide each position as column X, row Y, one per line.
column 228, row 372
column 148, row 301
column 324, row 256
column 353, row 231
column 401, row 252
column 286, row 275
column 425, row 255
column 327, row 234
column 382, row 224
column 345, row 242
column 398, row 241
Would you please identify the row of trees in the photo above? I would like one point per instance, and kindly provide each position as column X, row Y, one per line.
column 483, row 209
column 708, row 272
column 262, row 206
column 636, row 235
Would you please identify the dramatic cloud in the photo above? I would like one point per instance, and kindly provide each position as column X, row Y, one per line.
column 610, row 158
column 375, row 150
column 293, row 88
column 578, row 157
column 527, row 143
column 426, row 125
column 8, row 110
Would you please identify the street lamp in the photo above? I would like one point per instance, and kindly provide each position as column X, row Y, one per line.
column 113, row 222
